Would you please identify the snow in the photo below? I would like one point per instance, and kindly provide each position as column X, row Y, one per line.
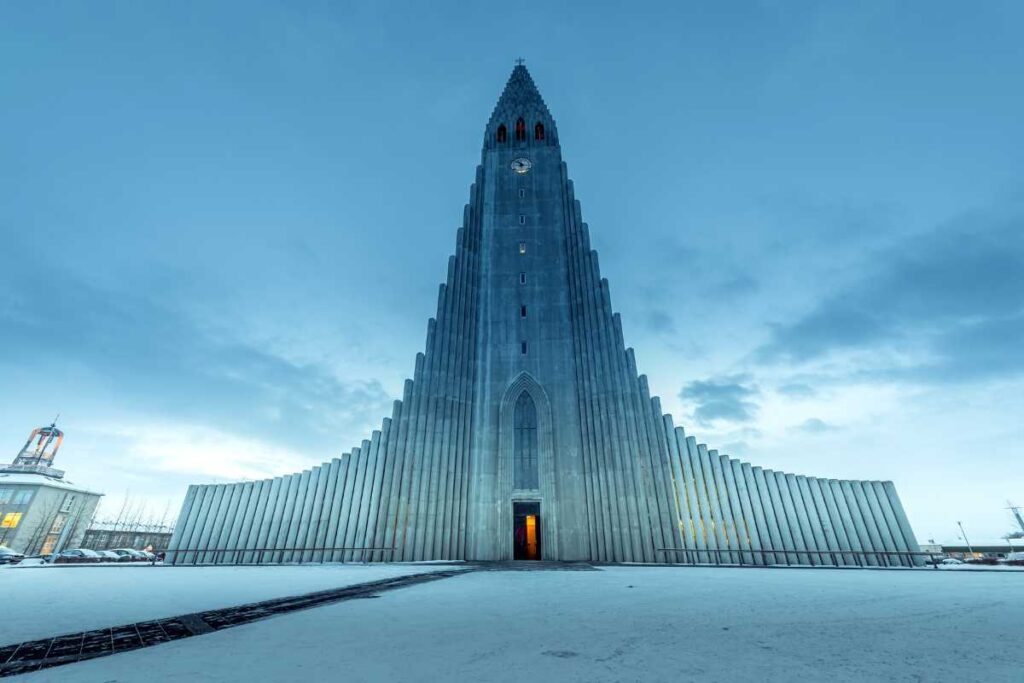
column 36, row 602
column 618, row 623
column 11, row 478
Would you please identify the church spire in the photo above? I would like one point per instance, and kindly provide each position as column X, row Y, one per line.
column 521, row 105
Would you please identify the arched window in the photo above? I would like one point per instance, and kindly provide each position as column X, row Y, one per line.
column 525, row 443
column 520, row 130
column 502, row 134
column 538, row 131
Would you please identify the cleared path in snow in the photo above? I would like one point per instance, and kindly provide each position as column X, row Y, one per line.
column 40, row 602
column 621, row 623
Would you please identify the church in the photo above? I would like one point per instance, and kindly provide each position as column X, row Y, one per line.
column 526, row 431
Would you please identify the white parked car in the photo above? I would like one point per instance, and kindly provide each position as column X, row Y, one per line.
column 951, row 560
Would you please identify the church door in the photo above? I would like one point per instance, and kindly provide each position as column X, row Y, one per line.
column 526, row 531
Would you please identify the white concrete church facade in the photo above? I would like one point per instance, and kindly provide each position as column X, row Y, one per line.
column 526, row 431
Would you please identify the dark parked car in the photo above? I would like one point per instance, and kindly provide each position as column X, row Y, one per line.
column 77, row 556
column 8, row 556
column 108, row 556
column 129, row 554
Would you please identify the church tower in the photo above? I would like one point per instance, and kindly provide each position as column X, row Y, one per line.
column 526, row 431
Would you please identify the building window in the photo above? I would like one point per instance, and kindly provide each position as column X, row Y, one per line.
column 522, row 193
column 69, row 500
column 522, row 311
column 522, row 348
column 6, row 495
column 502, row 134
column 522, row 219
column 22, row 497
column 525, row 443
column 10, row 520
column 520, row 130
column 522, row 247
column 538, row 131
column 522, row 278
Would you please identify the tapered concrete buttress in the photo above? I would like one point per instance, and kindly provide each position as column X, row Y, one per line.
column 524, row 311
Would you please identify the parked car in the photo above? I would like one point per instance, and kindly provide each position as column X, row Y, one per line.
column 951, row 560
column 77, row 556
column 132, row 555
column 8, row 556
column 108, row 556
column 148, row 555
column 1013, row 559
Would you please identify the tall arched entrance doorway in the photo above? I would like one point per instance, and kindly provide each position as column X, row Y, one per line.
column 526, row 537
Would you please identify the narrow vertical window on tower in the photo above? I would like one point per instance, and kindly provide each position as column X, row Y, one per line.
column 522, row 219
column 522, row 193
column 522, row 348
column 522, row 278
column 522, row 247
column 538, row 131
column 502, row 134
column 520, row 130
column 522, row 311
column 525, row 446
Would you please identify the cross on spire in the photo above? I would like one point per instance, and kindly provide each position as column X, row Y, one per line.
column 519, row 62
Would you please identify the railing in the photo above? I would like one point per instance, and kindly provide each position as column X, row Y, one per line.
column 860, row 557
column 258, row 555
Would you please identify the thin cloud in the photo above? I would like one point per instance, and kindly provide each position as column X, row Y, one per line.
column 727, row 399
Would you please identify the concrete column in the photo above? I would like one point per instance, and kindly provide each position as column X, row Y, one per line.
column 285, row 519
column 236, row 519
column 361, row 462
column 879, row 523
column 335, row 527
column 303, row 516
column 901, row 519
column 362, row 519
column 209, row 523
column 254, row 516
column 344, row 539
column 740, row 498
column 310, row 542
column 694, row 523
column 840, row 524
column 373, row 512
column 408, row 428
column 780, row 541
column 853, row 504
column 637, row 530
column 662, row 467
column 784, row 518
column 707, row 526
column 384, row 536
column 683, row 534
column 759, row 516
column 729, row 532
column 320, row 542
column 810, row 515
column 271, row 517
column 293, row 517
column 596, row 514
column 828, row 520
column 892, row 526
column 183, row 525
column 613, row 501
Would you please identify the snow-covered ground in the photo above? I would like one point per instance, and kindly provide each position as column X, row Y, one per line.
column 36, row 602
column 620, row 623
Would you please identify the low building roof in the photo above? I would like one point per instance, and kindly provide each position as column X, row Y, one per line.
column 30, row 479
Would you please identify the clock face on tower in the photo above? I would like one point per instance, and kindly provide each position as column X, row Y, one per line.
column 521, row 165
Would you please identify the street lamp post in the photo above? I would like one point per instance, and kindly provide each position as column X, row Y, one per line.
column 964, row 534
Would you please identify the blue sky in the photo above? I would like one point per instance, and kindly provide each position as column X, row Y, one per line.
column 223, row 226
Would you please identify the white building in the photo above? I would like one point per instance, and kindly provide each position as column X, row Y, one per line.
column 38, row 506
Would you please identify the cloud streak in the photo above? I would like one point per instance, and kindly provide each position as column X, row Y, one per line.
column 949, row 302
